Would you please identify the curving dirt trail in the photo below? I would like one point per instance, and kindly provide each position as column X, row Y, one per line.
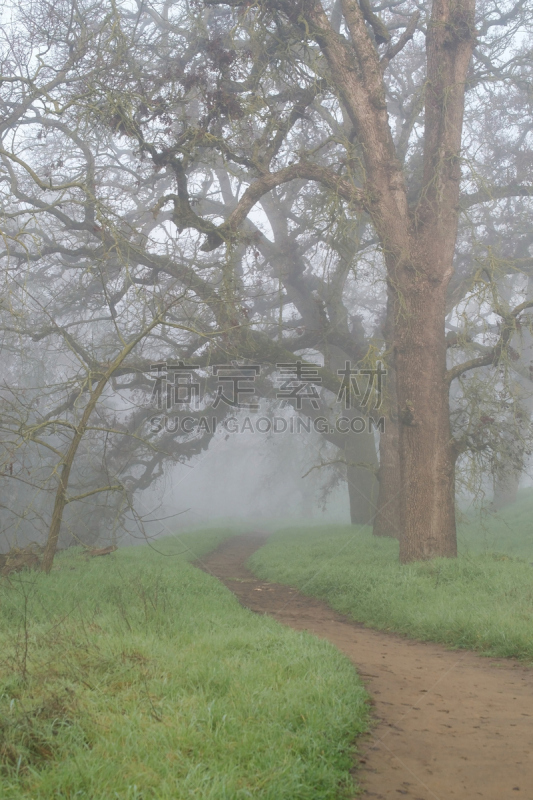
column 448, row 724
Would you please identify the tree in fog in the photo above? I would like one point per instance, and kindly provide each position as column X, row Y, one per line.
column 320, row 147
column 413, row 206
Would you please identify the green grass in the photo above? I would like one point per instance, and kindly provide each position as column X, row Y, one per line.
column 138, row 676
column 481, row 600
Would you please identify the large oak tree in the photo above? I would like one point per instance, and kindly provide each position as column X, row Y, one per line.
column 415, row 215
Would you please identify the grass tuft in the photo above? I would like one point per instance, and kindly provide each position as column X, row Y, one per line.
column 137, row 676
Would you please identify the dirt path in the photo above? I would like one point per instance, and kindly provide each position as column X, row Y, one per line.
column 448, row 724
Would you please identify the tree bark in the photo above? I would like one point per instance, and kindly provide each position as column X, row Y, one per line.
column 427, row 455
column 425, row 444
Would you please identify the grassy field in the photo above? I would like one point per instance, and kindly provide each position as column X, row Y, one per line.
column 137, row 676
column 483, row 600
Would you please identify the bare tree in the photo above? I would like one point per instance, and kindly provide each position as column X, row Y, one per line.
column 301, row 146
column 416, row 224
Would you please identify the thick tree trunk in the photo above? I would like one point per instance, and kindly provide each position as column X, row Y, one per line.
column 427, row 459
column 421, row 274
column 418, row 245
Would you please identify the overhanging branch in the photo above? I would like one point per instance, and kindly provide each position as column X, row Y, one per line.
column 494, row 354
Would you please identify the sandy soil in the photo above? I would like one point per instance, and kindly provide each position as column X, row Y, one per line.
column 447, row 724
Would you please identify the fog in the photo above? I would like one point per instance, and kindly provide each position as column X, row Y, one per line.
column 247, row 478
